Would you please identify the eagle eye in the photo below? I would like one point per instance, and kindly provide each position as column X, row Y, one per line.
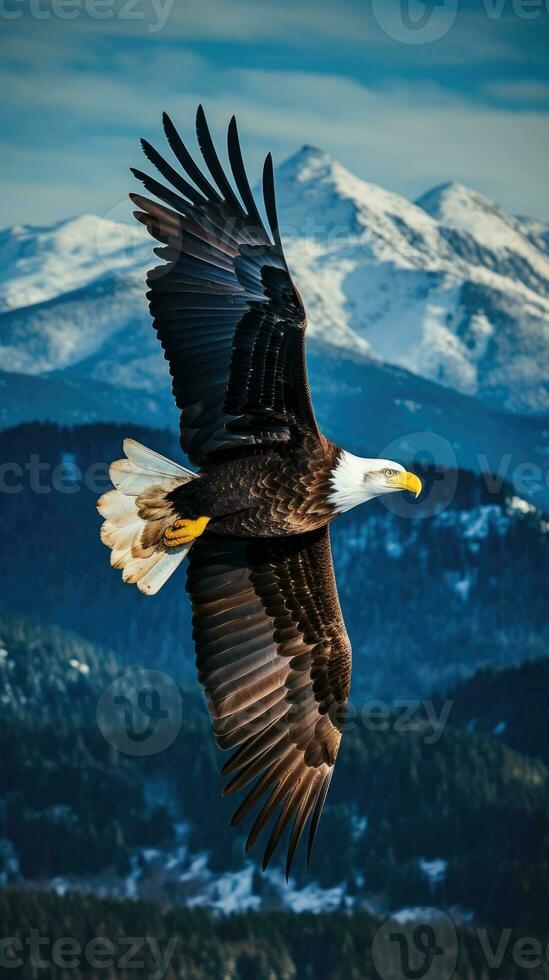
column 388, row 473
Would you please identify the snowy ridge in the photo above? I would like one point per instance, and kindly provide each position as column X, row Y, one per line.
column 451, row 287
column 39, row 264
column 456, row 206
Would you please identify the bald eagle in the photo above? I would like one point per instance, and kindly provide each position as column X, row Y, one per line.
column 272, row 650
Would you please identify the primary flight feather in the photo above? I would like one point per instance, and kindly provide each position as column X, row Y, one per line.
column 272, row 650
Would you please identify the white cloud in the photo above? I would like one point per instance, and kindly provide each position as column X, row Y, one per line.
column 94, row 103
column 519, row 90
column 290, row 21
column 300, row 25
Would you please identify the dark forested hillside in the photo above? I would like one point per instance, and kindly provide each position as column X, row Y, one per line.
column 442, row 802
column 142, row 940
column 425, row 600
column 511, row 705
column 421, row 815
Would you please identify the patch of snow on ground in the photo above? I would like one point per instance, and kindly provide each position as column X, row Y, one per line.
column 393, row 547
column 60, row 886
column 434, row 870
column 358, row 825
column 518, row 503
column 233, row 892
column 310, row 898
column 462, row 588
column 419, row 914
column 9, row 862
column 132, row 879
column 476, row 523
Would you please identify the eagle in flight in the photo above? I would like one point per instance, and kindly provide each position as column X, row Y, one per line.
column 272, row 650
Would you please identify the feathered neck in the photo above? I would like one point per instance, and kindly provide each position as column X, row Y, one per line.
column 348, row 487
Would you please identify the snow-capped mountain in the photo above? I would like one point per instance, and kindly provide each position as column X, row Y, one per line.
column 452, row 287
column 426, row 317
column 40, row 264
column 66, row 291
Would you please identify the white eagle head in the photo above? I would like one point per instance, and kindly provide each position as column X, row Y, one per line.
column 355, row 479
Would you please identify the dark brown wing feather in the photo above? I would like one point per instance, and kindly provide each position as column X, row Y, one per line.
column 274, row 658
column 225, row 308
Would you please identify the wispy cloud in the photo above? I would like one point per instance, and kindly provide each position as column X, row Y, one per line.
column 77, row 97
column 519, row 90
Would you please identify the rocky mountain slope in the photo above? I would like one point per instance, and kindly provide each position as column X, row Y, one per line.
column 451, row 288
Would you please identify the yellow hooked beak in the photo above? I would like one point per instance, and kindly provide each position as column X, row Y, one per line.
column 407, row 481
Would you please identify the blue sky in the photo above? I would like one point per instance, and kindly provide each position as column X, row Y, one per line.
column 465, row 97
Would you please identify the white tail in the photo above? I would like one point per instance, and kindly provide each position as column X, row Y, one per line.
column 137, row 513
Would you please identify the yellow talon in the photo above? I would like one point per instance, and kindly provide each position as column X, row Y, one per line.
column 184, row 531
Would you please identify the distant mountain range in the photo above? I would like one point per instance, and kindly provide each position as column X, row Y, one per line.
column 426, row 318
column 452, row 287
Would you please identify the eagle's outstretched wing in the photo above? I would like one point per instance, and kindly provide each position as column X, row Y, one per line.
column 275, row 660
column 224, row 305
column 272, row 650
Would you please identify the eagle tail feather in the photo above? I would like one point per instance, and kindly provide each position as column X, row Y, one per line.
column 138, row 511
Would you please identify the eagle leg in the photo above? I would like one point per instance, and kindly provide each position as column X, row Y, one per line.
column 184, row 531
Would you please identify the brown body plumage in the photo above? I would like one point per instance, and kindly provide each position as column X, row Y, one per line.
column 271, row 646
column 282, row 492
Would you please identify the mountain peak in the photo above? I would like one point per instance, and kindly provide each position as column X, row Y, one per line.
column 308, row 150
column 39, row 263
column 449, row 287
column 312, row 180
column 466, row 210
column 452, row 197
column 309, row 162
